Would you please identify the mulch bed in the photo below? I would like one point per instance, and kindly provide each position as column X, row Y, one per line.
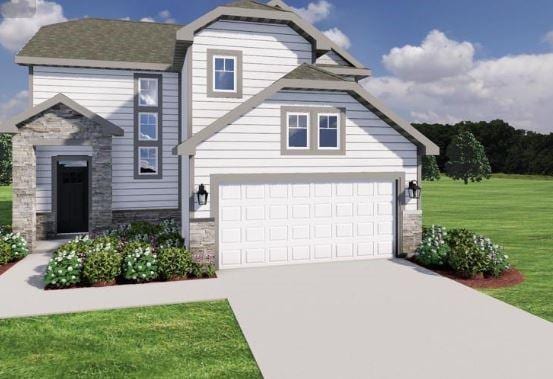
column 123, row 282
column 510, row 278
column 6, row 267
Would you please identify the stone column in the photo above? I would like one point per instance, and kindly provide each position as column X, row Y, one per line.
column 202, row 240
column 24, row 189
column 412, row 231
column 101, row 186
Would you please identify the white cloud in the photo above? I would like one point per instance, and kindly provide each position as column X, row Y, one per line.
column 147, row 19
column 517, row 89
column 437, row 56
column 548, row 38
column 162, row 16
column 338, row 37
column 15, row 32
column 314, row 12
column 13, row 106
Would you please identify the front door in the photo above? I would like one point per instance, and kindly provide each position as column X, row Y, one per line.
column 72, row 197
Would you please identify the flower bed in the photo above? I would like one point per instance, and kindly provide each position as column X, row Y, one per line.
column 135, row 253
column 13, row 248
column 461, row 254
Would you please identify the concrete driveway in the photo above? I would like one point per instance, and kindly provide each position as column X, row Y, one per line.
column 382, row 319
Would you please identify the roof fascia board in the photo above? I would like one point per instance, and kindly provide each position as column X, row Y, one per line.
column 110, row 129
column 348, row 71
column 323, row 43
column 396, row 122
column 121, row 65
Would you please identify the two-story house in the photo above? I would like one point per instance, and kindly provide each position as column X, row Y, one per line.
column 248, row 126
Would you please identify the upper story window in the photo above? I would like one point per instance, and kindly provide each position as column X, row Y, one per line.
column 328, row 131
column 148, row 92
column 298, row 136
column 313, row 131
column 224, row 73
column 148, row 131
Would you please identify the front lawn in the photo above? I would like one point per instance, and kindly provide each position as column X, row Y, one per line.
column 514, row 211
column 196, row 340
column 5, row 205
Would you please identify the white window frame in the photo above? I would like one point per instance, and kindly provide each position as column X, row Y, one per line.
column 157, row 161
column 338, row 131
column 140, row 90
column 156, row 114
column 307, row 129
column 235, row 79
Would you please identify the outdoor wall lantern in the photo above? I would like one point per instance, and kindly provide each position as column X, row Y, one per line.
column 202, row 195
column 414, row 190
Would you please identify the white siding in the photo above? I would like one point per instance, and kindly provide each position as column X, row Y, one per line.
column 110, row 93
column 252, row 144
column 269, row 51
column 332, row 58
column 44, row 156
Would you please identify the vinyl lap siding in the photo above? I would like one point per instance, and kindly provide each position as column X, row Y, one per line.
column 110, row 93
column 252, row 144
column 270, row 51
column 332, row 58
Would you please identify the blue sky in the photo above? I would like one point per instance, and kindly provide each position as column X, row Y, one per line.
column 484, row 33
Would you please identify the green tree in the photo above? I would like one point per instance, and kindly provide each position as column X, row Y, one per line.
column 430, row 170
column 467, row 158
column 5, row 159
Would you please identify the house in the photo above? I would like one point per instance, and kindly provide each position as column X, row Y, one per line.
column 248, row 126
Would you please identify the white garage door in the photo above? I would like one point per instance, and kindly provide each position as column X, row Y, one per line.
column 286, row 223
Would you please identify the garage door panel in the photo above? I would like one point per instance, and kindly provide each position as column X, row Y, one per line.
column 283, row 223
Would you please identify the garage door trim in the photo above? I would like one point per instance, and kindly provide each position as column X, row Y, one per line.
column 217, row 179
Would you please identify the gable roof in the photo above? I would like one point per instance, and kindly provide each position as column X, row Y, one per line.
column 251, row 10
column 12, row 126
column 106, row 43
column 302, row 78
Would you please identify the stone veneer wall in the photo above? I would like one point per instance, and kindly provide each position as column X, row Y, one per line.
column 202, row 240
column 151, row 215
column 412, row 231
column 59, row 125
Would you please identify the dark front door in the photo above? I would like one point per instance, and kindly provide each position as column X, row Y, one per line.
column 72, row 198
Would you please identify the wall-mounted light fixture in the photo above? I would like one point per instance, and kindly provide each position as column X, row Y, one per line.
column 414, row 190
column 202, row 195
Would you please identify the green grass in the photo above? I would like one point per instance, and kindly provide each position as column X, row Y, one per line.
column 5, row 205
column 516, row 212
column 199, row 340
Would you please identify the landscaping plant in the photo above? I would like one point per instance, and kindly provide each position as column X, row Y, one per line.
column 102, row 267
column 174, row 263
column 465, row 257
column 64, row 269
column 430, row 170
column 496, row 262
column 13, row 247
column 139, row 262
column 433, row 249
column 467, row 159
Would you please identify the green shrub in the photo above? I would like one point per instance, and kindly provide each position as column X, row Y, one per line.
column 102, row 266
column 64, row 269
column 203, row 270
column 174, row 263
column 465, row 257
column 496, row 262
column 139, row 263
column 433, row 249
column 5, row 253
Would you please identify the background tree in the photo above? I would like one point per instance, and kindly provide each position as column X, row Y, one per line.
column 5, row 159
column 430, row 170
column 467, row 159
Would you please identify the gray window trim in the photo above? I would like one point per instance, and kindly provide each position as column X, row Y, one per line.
column 313, row 130
column 237, row 54
column 137, row 142
column 54, row 199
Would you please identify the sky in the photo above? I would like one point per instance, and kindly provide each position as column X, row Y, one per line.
column 432, row 60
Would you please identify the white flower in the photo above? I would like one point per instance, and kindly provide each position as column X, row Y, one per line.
column 70, row 268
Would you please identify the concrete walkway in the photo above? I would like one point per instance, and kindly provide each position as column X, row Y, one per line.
column 372, row 319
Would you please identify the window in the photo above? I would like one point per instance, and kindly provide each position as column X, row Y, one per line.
column 298, row 134
column 224, row 74
column 148, row 160
column 147, row 126
column 148, row 92
column 328, row 131
column 308, row 130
